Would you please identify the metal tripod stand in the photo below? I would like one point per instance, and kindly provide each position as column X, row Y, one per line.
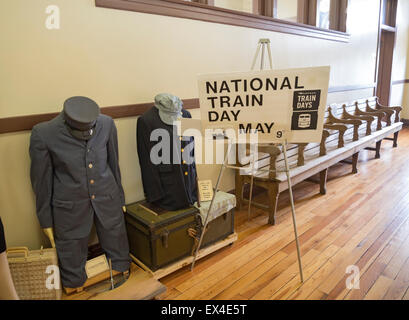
column 263, row 46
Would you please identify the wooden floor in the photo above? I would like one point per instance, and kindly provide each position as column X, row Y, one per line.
column 362, row 221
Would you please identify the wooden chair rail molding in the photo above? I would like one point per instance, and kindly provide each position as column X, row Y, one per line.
column 22, row 123
column 203, row 12
column 26, row 122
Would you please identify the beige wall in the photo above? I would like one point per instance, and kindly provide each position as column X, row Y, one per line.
column 287, row 10
column 118, row 57
column 241, row 5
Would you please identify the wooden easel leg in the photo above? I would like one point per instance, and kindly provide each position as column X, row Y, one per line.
column 273, row 195
column 355, row 162
column 378, row 149
column 323, row 181
column 395, row 139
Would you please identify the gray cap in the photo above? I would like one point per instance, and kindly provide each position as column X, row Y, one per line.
column 169, row 106
column 80, row 113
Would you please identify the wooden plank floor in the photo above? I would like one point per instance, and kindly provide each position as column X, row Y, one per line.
column 362, row 221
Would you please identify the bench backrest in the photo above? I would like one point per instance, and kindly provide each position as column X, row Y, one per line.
column 297, row 153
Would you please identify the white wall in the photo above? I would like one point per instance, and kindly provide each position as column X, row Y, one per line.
column 240, row 5
column 287, row 10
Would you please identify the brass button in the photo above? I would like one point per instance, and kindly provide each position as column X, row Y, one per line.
column 183, row 150
column 93, row 197
column 186, row 173
column 92, row 181
column 184, row 161
column 90, row 166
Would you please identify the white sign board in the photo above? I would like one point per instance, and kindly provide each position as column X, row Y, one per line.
column 274, row 102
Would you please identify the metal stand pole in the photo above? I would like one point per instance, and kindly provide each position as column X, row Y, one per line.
column 270, row 58
column 262, row 45
column 211, row 205
column 251, row 190
column 262, row 57
column 256, row 55
column 287, row 170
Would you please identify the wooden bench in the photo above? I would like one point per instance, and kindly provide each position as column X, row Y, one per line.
column 348, row 128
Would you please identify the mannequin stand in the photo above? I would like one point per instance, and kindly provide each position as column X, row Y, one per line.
column 139, row 286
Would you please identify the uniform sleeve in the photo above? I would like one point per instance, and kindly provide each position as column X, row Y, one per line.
column 2, row 238
column 113, row 160
column 150, row 173
column 186, row 114
column 41, row 174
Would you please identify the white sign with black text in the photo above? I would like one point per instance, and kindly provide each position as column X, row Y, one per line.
column 273, row 103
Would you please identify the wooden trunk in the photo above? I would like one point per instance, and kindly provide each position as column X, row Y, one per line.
column 160, row 240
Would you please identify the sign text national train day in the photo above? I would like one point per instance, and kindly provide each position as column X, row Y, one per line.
column 246, row 93
column 266, row 102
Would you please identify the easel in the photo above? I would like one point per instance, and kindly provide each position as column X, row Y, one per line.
column 262, row 45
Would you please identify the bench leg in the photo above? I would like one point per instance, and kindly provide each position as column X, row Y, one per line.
column 355, row 162
column 323, row 181
column 395, row 139
column 378, row 149
column 272, row 202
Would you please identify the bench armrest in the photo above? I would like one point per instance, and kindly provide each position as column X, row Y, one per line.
column 369, row 119
column 301, row 158
column 338, row 127
column 378, row 114
column 355, row 122
column 385, row 109
column 387, row 112
column 396, row 109
column 323, row 146
column 354, row 117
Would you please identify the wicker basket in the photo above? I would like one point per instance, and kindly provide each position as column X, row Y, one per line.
column 28, row 269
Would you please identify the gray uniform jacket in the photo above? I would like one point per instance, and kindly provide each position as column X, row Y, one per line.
column 70, row 177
